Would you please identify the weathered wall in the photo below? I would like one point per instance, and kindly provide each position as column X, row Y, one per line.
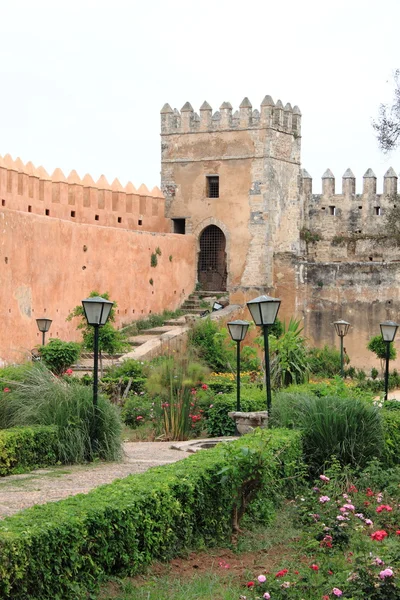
column 256, row 155
column 49, row 265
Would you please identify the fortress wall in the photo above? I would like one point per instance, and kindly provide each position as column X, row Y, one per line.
column 49, row 265
column 27, row 189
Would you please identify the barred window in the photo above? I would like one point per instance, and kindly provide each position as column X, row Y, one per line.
column 212, row 186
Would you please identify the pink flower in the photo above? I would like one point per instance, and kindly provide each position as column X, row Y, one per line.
column 261, row 578
column 342, row 518
column 314, row 567
column 6, row 389
column 343, row 510
column 379, row 561
column 204, row 387
column 386, row 573
column 139, row 418
column 368, row 522
column 383, row 507
column 324, row 499
column 69, row 372
column 348, row 507
column 266, row 596
column 324, row 478
column 337, row 592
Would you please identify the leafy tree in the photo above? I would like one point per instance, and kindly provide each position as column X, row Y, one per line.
column 387, row 125
column 110, row 339
column 58, row 356
column 378, row 347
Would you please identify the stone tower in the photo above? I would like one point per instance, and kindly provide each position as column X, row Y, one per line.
column 233, row 181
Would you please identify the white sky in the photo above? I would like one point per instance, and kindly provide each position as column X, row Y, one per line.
column 83, row 81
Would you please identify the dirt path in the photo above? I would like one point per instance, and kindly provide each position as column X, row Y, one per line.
column 48, row 485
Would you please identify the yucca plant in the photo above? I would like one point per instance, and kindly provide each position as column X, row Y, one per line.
column 41, row 398
column 172, row 383
column 289, row 359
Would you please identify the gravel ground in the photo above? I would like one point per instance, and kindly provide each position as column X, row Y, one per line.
column 49, row 485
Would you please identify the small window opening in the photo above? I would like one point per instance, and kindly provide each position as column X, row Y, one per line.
column 119, row 220
column 72, row 213
column 3, row 202
column 179, row 225
column 323, row 208
column 360, row 207
column 96, row 217
column 47, row 212
column 378, row 210
column 29, row 208
column 332, row 210
column 212, row 186
column 370, row 258
column 139, row 222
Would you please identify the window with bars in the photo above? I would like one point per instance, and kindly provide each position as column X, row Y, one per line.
column 212, row 186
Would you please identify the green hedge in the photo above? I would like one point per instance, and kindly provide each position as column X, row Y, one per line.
column 391, row 428
column 63, row 550
column 26, row 448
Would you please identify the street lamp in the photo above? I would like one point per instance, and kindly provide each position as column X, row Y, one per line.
column 97, row 310
column 217, row 306
column 43, row 326
column 388, row 331
column 341, row 327
column 238, row 330
column 264, row 310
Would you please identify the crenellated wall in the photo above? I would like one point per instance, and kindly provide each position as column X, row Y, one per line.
column 27, row 189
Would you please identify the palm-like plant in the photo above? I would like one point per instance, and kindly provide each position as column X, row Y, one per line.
column 289, row 358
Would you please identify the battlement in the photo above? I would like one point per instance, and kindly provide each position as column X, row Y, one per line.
column 270, row 115
column 24, row 187
column 349, row 183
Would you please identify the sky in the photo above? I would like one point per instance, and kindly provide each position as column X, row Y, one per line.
column 82, row 82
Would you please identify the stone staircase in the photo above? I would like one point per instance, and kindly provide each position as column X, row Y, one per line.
column 196, row 302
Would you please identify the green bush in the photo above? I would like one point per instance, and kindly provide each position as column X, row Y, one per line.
column 26, row 448
column 63, row 550
column 289, row 359
column 207, row 341
column 324, row 362
column 138, row 410
column 391, row 428
column 219, row 423
column 83, row 433
column 378, row 346
column 58, row 356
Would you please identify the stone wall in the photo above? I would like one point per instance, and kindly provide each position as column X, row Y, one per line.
column 49, row 265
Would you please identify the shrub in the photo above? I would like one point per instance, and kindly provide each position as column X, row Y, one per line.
column 219, row 423
column 325, row 362
column 347, row 428
column 83, row 433
column 391, row 427
column 26, row 448
column 120, row 528
column 58, row 356
column 123, row 379
column 207, row 341
column 289, row 361
column 138, row 410
column 378, row 347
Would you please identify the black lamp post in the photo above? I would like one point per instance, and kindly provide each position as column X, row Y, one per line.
column 43, row 326
column 238, row 330
column 264, row 310
column 388, row 331
column 97, row 310
column 341, row 327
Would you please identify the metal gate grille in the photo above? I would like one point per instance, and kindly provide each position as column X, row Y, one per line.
column 212, row 259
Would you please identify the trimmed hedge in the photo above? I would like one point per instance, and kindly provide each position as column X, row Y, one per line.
column 26, row 448
column 63, row 550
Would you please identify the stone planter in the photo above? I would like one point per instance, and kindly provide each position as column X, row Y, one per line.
column 248, row 421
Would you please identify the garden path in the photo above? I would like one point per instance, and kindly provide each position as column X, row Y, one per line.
column 54, row 483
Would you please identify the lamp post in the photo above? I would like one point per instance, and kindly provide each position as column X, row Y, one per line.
column 341, row 327
column 43, row 326
column 264, row 310
column 238, row 330
column 388, row 331
column 217, row 306
column 97, row 310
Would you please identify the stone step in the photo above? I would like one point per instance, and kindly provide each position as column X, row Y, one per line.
column 138, row 340
column 157, row 330
column 176, row 322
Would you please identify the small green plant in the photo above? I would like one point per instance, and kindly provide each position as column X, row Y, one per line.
column 378, row 346
column 153, row 260
column 308, row 236
column 325, row 362
column 374, row 373
column 337, row 240
column 151, row 282
column 170, row 258
column 158, row 251
column 58, row 356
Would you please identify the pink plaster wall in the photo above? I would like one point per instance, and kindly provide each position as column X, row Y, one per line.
column 48, row 265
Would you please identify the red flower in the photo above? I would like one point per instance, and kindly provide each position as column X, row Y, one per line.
column 367, row 503
column 6, row 390
column 296, row 572
column 383, row 507
column 314, row 567
column 379, row 535
column 250, row 584
column 204, row 387
column 281, row 573
column 69, row 372
column 353, row 488
column 369, row 492
column 398, row 532
column 330, row 572
column 325, row 597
